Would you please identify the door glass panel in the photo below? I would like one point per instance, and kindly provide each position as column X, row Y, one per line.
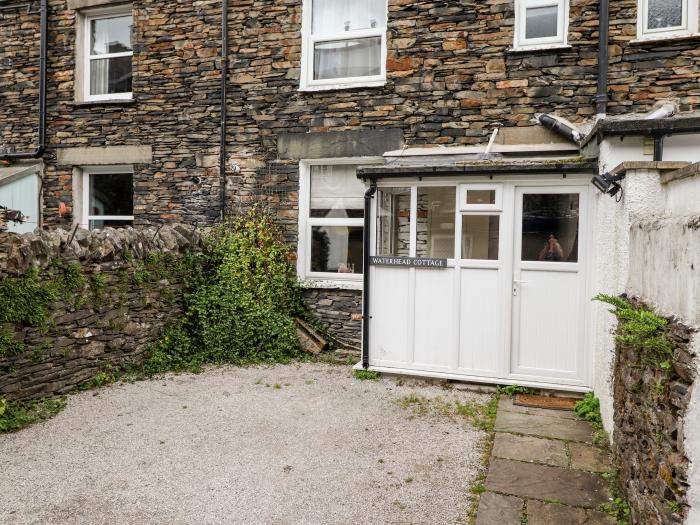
column 480, row 236
column 336, row 249
column 550, row 227
column 481, row 196
column 665, row 13
column 394, row 222
column 435, row 222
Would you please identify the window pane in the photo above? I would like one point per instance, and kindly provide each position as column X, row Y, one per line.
column 481, row 196
column 336, row 192
column 111, row 194
column 393, row 222
column 335, row 16
column 541, row 22
column 550, row 227
column 110, row 35
column 336, row 249
column 480, row 237
column 435, row 223
column 110, row 75
column 347, row 58
column 665, row 13
column 99, row 224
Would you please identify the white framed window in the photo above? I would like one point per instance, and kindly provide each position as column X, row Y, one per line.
column 331, row 219
column 107, row 197
column 541, row 23
column 343, row 44
column 480, row 197
column 666, row 18
column 107, row 54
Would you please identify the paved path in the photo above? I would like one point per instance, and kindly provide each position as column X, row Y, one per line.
column 544, row 470
column 271, row 445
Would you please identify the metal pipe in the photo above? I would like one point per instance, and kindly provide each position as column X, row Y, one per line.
column 224, row 85
column 559, row 127
column 658, row 148
column 367, row 235
column 601, row 98
column 43, row 52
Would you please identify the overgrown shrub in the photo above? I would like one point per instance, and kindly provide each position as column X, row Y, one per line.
column 241, row 307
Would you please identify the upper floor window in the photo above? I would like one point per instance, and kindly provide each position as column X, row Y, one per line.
column 667, row 18
column 108, row 54
column 541, row 23
column 344, row 44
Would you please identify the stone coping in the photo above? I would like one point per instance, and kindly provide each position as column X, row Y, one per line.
column 624, row 167
column 683, row 173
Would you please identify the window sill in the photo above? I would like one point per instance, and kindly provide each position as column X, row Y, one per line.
column 342, row 86
column 664, row 39
column 531, row 49
column 112, row 102
column 331, row 284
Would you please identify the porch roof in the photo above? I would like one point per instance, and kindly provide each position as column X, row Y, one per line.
column 476, row 168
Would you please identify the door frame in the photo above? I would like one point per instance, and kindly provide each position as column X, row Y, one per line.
column 509, row 184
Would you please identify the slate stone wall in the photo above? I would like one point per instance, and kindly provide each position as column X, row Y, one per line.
column 648, row 438
column 340, row 311
column 85, row 335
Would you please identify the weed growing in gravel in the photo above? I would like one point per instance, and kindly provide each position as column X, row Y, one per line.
column 16, row 416
column 479, row 488
column 480, row 415
column 511, row 390
column 366, row 375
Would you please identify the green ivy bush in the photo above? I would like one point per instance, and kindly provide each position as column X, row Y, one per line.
column 240, row 306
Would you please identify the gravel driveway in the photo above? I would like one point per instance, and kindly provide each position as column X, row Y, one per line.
column 302, row 443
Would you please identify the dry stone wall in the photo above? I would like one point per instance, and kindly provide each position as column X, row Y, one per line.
column 648, row 442
column 129, row 289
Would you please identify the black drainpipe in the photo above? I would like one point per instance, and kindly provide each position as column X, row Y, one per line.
column 601, row 98
column 369, row 194
column 43, row 30
column 224, row 84
column 658, row 148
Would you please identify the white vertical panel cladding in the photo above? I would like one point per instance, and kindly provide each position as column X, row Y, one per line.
column 481, row 321
column 391, row 322
column 683, row 197
column 548, row 336
column 435, row 318
column 23, row 195
column 682, row 148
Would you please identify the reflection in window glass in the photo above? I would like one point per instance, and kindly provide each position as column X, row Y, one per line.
column 110, row 35
column 393, row 222
column 348, row 58
column 110, row 75
column 435, row 222
column 111, row 223
column 480, row 236
column 336, row 192
column 541, row 22
column 111, row 194
column 481, row 196
column 665, row 13
column 550, row 227
column 336, row 249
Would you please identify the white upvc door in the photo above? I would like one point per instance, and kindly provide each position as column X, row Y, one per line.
column 548, row 292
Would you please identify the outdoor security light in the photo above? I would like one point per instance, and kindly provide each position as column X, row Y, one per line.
column 607, row 183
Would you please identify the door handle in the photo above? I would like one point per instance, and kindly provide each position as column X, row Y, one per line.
column 519, row 281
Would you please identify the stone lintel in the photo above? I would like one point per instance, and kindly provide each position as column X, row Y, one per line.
column 339, row 144
column 97, row 156
column 684, row 173
column 663, row 165
column 86, row 4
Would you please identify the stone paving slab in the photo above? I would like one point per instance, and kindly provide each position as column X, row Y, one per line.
column 571, row 487
column 507, row 404
column 497, row 509
column 529, row 448
column 543, row 426
column 540, row 513
column 587, row 457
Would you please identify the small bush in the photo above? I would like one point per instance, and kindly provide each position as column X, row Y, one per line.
column 367, row 375
column 240, row 307
column 16, row 416
column 589, row 409
column 511, row 390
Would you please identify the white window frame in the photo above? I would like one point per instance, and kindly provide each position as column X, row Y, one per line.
column 306, row 222
column 97, row 14
column 496, row 206
column 560, row 40
column 689, row 26
column 308, row 41
column 89, row 171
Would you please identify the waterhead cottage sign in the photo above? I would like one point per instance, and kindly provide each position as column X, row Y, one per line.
column 407, row 262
